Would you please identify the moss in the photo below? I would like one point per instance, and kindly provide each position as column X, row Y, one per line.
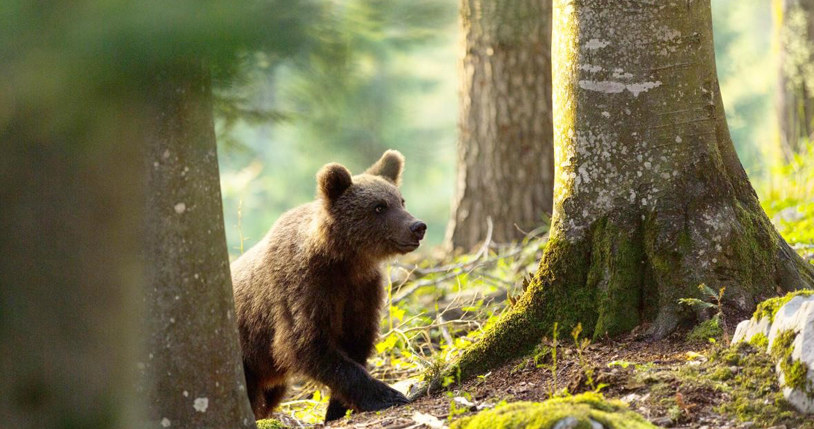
column 706, row 330
column 723, row 373
column 769, row 307
column 616, row 274
column 782, row 346
column 753, row 392
column 270, row 424
column 795, row 372
column 556, row 294
column 730, row 357
column 756, row 246
column 584, row 408
column 759, row 341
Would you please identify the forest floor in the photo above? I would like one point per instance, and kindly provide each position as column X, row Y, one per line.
column 675, row 382
column 672, row 383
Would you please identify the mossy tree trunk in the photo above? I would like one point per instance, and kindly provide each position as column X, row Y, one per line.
column 505, row 149
column 650, row 198
column 192, row 373
column 794, row 33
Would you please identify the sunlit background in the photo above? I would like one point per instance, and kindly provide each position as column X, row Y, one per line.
column 384, row 75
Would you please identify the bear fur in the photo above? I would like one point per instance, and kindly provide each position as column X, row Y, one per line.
column 308, row 296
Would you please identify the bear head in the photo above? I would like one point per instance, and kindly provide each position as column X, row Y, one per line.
column 366, row 212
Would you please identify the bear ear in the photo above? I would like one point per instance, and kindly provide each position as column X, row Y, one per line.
column 332, row 181
column 389, row 166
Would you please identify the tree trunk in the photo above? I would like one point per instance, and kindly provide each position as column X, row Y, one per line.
column 193, row 373
column 69, row 278
column 650, row 197
column 795, row 84
column 505, row 151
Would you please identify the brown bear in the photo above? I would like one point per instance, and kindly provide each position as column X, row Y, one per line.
column 308, row 295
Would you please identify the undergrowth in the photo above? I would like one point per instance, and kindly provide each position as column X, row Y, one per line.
column 787, row 196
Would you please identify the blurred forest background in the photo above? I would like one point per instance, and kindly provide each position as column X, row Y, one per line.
column 383, row 74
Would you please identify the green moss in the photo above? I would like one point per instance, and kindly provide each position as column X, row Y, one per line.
column 723, row 373
column 530, row 415
column 616, row 274
column 755, row 249
column 556, row 294
column 729, row 356
column 706, row 330
column 769, row 307
column 270, row 424
column 746, row 373
column 795, row 372
column 759, row 341
column 781, row 348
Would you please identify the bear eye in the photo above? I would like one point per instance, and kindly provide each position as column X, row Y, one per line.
column 380, row 208
column 403, row 203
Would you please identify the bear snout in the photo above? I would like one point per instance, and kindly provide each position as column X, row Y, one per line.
column 418, row 229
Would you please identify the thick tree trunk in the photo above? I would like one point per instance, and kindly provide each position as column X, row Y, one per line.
column 192, row 373
column 794, row 21
column 505, row 151
column 69, row 278
column 650, row 198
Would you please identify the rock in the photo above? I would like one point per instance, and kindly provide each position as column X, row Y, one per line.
column 663, row 422
column 749, row 328
column 788, row 323
column 567, row 423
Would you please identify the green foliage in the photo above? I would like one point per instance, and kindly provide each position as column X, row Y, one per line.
column 706, row 330
column 584, row 409
column 580, row 346
column 714, row 327
column 787, row 196
column 75, row 59
column 376, row 76
column 742, row 46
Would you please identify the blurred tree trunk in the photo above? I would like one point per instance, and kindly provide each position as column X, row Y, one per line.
column 69, row 272
column 650, row 197
column 794, row 32
column 505, row 150
column 193, row 370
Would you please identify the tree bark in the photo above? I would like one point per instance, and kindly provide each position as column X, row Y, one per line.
column 69, row 274
column 192, row 374
column 650, row 198
column 505, row 150
column 794, row 32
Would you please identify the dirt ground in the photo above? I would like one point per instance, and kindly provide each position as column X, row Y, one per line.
column 663, row 399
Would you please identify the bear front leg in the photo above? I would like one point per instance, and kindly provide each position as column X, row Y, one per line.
column 358, row 345
column 350, row 383
column 336, row 410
